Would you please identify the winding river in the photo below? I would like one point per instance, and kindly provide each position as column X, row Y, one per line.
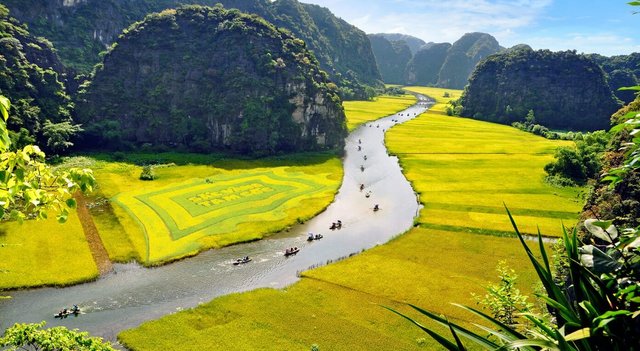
column 132, row 294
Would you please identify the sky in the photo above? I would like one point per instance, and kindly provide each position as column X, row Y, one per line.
column 606, row 27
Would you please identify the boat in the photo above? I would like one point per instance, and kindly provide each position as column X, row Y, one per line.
column 67, row 312
column 242, row 261
column 288, row 253
column 314, row 237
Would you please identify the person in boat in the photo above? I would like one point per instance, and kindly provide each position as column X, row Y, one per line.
column 359, row 141
column 359, row 148
column 75, row 309
column 367, row 194
column 362, row 168
column 376, row 207
column 361, row 187
column 365, row 157
column 310, row 234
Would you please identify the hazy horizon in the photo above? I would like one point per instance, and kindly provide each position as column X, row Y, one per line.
column 603, row 27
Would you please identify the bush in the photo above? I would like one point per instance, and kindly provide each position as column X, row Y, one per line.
column 147, row 173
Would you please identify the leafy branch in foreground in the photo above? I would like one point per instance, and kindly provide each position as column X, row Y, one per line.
column 597, row 309
column 33, row 337
column 31, row 188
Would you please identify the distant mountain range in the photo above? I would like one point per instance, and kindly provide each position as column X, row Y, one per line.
column 435, row 64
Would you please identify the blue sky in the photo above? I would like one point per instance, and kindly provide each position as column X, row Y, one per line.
column 607, row 27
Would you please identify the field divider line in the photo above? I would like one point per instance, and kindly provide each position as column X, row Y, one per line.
column 96, row 246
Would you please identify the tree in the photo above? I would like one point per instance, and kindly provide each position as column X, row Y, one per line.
column 33, row 337
column 59, row 134
column 29, row 188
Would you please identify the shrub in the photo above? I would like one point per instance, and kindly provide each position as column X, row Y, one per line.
column 147, row 173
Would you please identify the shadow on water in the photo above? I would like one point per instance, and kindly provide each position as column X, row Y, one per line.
column 132, row 294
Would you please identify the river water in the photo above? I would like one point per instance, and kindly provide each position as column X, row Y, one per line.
column 132, row 294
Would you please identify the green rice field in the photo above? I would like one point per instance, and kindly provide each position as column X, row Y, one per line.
column 443, row 260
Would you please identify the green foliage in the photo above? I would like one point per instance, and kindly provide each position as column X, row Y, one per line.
column 631, row 150
column 34, row 337
column 147, row 173
column 59, row 134
column 597, row 310
column 264, row 94
column 81, row 31
column 583, row 162
column 29, row 187
column 32, row 77
column 503, row 299
column 566, row 90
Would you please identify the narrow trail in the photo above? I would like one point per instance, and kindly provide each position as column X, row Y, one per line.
column 98, row 251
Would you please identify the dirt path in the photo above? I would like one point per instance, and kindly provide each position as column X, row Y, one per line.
column 98, row 250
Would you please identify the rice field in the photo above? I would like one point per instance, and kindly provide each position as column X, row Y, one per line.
column 359, row 112
column 466, row 171
column 44, row 252
column 191, row 207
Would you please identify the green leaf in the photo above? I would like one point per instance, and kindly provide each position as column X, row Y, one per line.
column 5, row 105
column 71, row 202
column 578, row 335
column 634, row 88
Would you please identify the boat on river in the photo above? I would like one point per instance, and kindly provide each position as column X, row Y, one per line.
column 314, row 237
column 290, row 252
column 242, row 260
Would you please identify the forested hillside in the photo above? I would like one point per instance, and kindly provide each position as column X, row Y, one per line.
column 563, row 89
column 391, row 57
column 622, row 71
column 249, row 88
column 32, row 77
column 80, row 29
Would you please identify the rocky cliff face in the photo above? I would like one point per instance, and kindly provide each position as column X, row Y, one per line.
column 32, row 77
column 412, row 42
column 80, row 29
column 208, row 79
column 462, row 58
column 565, row 90
column 434, row 64
column 391, row 57
column 424, row 68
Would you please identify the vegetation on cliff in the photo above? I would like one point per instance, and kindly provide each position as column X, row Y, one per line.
column 424, row 67
column 203, row 79
column 622, row 71
column 81, row 29
column 565, row 90
column 391, row 57
column 462, row 58
column 32, row 77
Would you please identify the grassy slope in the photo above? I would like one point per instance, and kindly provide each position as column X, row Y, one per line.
column 362, row 111
column 44, row 253
column 337, row 306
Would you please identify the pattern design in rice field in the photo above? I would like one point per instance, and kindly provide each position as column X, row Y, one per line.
column 218, row 204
